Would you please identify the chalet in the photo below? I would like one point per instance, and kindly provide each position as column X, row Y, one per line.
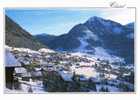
column 66, row 76
column 36, row 75
column 26, row 76
column 10, row 63
column 20, row 71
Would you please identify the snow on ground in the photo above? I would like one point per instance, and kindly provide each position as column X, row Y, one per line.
column 86, row 71
column 117, row 82
column 102, row 54
column 90, row 34
column 83, row 40
column 130, row 66
column 87, row 64
column 83, row 44
column 110, row 88
column 6, row 90
column 99, row 52
column 46, row 50
column 127, row 83
column 36, row 86
column 8, row 48
column 110, row 76
column 26, row 50
column 80, row 54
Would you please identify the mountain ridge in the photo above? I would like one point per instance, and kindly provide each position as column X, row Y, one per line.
column 112, row 37
column 16, row 36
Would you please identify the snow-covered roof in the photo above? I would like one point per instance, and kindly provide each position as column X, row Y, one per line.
column 8, row 47
column 42, row 62
column 87, row 72
column 27, row 50
column 37, row 74
column 46, row 50
column 20, row 70
column 10, row 60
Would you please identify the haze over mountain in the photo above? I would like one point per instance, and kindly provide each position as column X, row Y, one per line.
column 97, row 36
column 16, row 36
column 45, row 38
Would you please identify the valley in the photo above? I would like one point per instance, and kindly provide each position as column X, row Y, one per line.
column 94, row 56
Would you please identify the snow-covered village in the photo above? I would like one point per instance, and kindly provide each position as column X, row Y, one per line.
column 63, row 50
column 49, row 71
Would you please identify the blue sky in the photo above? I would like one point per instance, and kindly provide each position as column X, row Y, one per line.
column 58, row 21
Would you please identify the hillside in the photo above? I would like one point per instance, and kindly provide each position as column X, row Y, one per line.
column 16, row 36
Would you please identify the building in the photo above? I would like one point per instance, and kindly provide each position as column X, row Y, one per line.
column 10, row 63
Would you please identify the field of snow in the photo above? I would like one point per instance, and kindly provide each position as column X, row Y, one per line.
column 110, row 88
column 35, row 86
column 102, row 54
column 86, row 71
column 46, row 50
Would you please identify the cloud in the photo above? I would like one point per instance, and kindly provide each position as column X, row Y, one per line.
column 121, row 15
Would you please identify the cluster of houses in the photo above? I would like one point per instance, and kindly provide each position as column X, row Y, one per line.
column 25, row 70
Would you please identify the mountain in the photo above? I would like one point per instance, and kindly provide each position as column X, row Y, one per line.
column 100, row 37
column 130, row 25
column 117, row 39
column 130, row 31
column 44, row 38
column 16, row 36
